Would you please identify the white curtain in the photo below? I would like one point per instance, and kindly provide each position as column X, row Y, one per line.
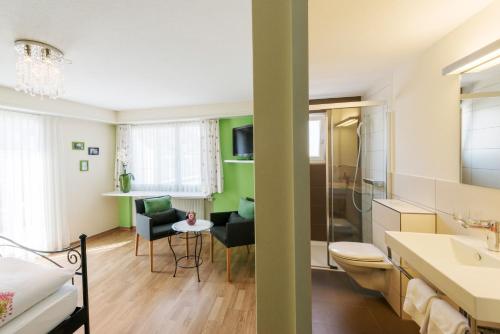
column 166, row 157
column 123, row 133
column 31, row 207
column 210, row 157
column 176, row 157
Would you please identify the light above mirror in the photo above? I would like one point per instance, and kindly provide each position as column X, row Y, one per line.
column 484, row 58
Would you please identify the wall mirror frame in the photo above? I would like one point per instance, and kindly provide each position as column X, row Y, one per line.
column 479, row 116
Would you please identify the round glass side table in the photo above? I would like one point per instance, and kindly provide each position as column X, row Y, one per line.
column 197, row 229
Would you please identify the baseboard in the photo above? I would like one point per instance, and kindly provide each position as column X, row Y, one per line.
column 101, row 234
column 121, row 228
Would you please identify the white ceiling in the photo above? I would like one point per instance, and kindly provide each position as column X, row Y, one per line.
column 132, row 54
column 355, row 43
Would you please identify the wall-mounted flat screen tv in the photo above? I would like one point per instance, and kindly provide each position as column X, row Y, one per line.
column 243, row 141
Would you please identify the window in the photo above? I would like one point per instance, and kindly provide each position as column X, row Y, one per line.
column 317, row 137
column 167, row 157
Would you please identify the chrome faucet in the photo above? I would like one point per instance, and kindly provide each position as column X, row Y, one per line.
column 493, row 233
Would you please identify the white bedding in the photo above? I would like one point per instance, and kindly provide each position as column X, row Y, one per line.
column 46, row 314
column 24, row 284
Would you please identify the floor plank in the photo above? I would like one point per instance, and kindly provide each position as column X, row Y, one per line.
column 125, row 297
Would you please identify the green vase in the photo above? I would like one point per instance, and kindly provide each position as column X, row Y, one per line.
column 126, row 182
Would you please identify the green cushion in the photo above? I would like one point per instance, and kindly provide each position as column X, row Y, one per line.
column 164, row 217
column 246, row 209
column 158, row 204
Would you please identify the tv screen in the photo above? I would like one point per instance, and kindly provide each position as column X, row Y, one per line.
column 243, row 141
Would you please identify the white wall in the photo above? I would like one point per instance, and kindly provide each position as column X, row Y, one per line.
column 426, row 127
column 218, row 110
column 86, row 209
column 13, row 100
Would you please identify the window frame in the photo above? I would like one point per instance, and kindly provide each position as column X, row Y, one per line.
column 321, row 117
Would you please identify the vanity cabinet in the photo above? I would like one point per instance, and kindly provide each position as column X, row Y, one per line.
column 397, row 215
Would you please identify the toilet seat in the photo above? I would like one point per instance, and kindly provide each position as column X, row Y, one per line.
column 364, row 263
column 357, row 251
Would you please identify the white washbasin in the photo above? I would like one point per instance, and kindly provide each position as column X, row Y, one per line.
column 461, row 267
column 468, row 252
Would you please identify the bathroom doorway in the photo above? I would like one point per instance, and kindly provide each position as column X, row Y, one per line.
column 348, row 168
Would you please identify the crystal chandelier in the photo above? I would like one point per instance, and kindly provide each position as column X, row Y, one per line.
column 39, row 69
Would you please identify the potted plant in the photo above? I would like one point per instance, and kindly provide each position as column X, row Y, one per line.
column 125, row 178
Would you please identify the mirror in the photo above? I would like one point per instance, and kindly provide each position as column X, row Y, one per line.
column 480, row 127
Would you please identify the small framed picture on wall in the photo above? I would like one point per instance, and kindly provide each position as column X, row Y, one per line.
column 84, row 165
column 93, row 150
column 78, row 145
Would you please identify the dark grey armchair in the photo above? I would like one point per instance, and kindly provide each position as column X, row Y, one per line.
column 231, row 230
column 154, row 227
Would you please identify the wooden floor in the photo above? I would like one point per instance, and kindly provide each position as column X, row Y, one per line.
column 125, row 297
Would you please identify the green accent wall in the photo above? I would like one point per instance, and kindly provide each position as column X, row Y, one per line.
column 125, row 211
column 238, row 178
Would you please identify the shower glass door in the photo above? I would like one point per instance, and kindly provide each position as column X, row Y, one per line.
column 356, row 171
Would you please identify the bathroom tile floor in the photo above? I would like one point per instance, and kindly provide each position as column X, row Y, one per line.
column 340, row 306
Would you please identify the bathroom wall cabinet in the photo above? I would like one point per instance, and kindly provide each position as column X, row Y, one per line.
column 396, row 215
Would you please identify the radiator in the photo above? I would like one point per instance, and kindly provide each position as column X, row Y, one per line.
column 196, row 205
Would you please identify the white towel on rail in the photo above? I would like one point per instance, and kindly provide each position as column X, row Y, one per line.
column 444, row 319
column 418, row 297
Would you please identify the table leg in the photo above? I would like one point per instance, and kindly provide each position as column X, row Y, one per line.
column 175, row 257
column 197, row 253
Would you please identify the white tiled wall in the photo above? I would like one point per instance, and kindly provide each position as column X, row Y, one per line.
column 374, row 153
column 447, row 198
column 374, row 159
column 374, row 143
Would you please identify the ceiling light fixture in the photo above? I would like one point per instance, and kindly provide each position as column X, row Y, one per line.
column 39, row 68
column 480, row 60
column 347, row 122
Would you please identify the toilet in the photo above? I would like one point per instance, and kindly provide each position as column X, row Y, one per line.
column 364, row 263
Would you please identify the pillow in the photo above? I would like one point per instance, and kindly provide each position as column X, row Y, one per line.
column 235, row 218
column 165, row 217
column 246, row 208
column 157, row 204
column 24, row 284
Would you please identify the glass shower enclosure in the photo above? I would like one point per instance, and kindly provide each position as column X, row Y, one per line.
column 355, row 155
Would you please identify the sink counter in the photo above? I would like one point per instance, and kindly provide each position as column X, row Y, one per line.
column 461, row 267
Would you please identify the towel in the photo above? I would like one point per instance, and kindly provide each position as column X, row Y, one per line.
column 444, row 319
column 418, row 297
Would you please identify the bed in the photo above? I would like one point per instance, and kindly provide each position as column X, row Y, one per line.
column 38, row 299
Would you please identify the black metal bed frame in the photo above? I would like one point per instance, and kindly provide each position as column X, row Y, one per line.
column 74, row 255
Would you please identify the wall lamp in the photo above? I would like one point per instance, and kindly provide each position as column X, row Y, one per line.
column 347, row 122
column 480, row 60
